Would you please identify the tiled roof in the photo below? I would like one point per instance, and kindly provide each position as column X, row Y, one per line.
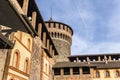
column 98, row 65
column 102, row 65
column 71, row 64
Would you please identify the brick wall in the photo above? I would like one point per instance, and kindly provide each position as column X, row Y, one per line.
column 35, row 60
column 63, row 48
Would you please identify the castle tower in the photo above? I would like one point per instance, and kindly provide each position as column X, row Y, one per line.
column 61, row 35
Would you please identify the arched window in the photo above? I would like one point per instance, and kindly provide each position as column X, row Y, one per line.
column 52, row 34
column 16, row 58
column 26, row 65
column 117, row 73
column 97, row 74
column 61, row 35
column 29, row 44
column 58, row 35
column 55, row 35
column 107, row 74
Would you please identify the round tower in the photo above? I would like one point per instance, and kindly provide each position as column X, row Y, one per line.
column 61, row 35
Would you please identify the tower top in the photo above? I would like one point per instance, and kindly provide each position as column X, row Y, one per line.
column 51, row 15
column 51, row 19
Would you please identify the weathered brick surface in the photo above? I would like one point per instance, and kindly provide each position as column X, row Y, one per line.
column 3, row 54
column 63, row 48
column 35, row 60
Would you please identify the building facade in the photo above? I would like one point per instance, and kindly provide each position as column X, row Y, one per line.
column 89, row 67
column 31, row 49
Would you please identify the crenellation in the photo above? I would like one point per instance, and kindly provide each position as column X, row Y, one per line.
column 51, row 25
column 40, row 30
column 110, row 58
column 25, row 6
column 51, row 49
column 57, row 25
column 44, row 38
column 48, row 44
column 61, row 26
column 47, row 25
column 34, row 16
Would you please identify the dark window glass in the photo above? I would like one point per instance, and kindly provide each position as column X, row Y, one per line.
column 86, row 70
column 57, row 71
column 66, row 71
column 76, row 71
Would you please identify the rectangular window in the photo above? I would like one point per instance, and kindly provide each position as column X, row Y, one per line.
column 57, row 71
column 66, row 71
column 85, row 70
column 76, row 71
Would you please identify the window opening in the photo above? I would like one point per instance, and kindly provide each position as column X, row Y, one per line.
column 57, row 71
column 66, row 71
column 86, row 70
column 76, row 70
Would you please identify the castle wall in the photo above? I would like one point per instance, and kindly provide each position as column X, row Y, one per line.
column 18, row 67
column 63, row 48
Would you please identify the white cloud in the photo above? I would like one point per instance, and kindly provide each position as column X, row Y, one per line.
column 99, row 48
column 78, row 45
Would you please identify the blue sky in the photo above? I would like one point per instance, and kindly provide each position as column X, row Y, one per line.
column 96, row 23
